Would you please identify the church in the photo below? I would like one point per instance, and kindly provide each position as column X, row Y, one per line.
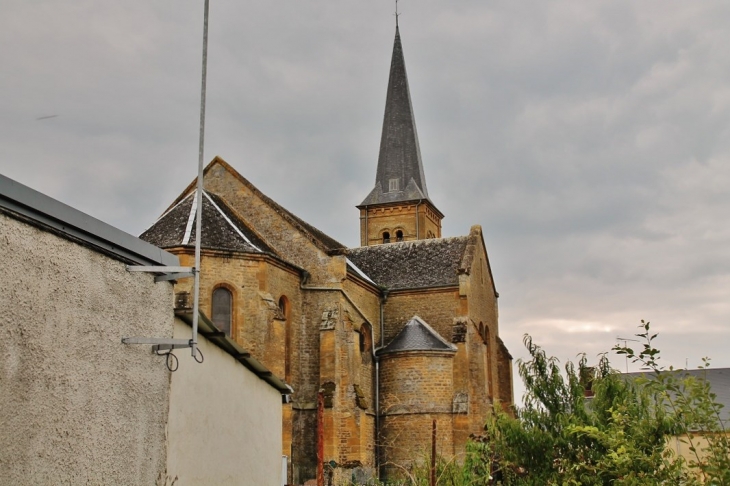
column 396, row 334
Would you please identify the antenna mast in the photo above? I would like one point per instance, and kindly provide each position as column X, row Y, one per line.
column 199, row 191
column 174, row 273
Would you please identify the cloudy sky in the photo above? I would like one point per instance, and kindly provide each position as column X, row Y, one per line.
column 591, row 140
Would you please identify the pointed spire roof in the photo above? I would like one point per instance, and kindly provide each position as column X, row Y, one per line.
column 400, row 175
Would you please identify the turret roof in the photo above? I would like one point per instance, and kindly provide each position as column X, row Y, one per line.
column 416, row 335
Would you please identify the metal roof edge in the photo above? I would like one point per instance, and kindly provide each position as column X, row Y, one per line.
column 53, row 214
column 208, row 330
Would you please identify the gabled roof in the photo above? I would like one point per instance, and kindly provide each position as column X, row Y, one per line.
column 319, row 238
column 222, row 228
column 416, row 335
column 412, row 264
column 400, row 153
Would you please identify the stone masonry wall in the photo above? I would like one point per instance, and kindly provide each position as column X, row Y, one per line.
column 437, row 307
column 375, row 221
column 416, row 387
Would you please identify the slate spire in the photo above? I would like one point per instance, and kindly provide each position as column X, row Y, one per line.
column 400, row 174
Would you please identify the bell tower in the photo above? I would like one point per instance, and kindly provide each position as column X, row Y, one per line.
column 398, row 208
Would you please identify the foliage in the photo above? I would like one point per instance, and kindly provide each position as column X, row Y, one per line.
column 620, row 436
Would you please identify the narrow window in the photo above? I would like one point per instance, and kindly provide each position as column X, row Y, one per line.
column 282, row 305
column 392, row 185
column 399, row 235
column 386, row 237
column 284, row 308
column 222, row 311
column 366, row 344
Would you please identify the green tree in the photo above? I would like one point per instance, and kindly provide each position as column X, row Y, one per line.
column 617, row 437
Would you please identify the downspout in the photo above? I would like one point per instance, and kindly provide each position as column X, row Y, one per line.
column 367, row 230
column 382, row 325
column 377, row 382
column 376, row 442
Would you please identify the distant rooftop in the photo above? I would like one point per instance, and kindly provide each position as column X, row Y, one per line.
column 718, row 378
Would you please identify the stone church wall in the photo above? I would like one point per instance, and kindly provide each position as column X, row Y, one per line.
column 289, row 241
column 435, row 306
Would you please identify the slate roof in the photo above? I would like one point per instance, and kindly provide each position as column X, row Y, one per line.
column 222, row 229
column 416, row 335
column 400, row 153
column 719, row 380
column 412, row 264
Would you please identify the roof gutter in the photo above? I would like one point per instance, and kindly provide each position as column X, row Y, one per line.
column 46, row 212
column 208, row 330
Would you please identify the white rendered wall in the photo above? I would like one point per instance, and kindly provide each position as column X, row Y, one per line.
column 225, row 422
column 76, row 405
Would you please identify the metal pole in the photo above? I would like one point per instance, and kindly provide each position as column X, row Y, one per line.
column 320, row 438
column 199, row 189
column 433, row 454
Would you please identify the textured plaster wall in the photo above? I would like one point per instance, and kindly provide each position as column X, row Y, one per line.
column 225, row 422
column 76, row 405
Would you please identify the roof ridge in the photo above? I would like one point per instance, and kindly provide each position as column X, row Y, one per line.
column 424, row 241
column 432, row 331
column 244, row 221
column 409, row 339
column 228, row 220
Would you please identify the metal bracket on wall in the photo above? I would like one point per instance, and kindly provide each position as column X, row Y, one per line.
column 170, row 273
column 180, row 343
column 160, row 344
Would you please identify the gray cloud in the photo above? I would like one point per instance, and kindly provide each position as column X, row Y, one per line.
column 590, row 140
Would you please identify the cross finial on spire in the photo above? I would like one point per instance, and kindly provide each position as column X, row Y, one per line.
column 396, row 13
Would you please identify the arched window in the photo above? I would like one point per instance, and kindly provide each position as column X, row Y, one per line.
column 366, row 343
column 283, row 305
column 487, row 360
column 222, row 309
column 386, row 237
column 399, row 235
